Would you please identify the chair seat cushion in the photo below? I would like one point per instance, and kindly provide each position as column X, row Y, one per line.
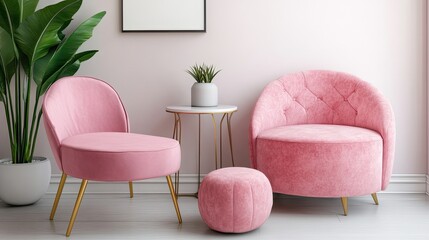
column 119, row 156
column 320, row 160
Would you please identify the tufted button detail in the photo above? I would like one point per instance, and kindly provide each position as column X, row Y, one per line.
column 345, row 99
column 294, row 99
column 320, row 98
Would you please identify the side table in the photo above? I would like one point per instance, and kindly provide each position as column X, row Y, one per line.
column 226, row 111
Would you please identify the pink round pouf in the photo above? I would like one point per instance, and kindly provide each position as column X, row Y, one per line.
column 235, row 199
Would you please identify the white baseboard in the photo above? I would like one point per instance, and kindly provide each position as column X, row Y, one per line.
column 407, row 183
column 399, row 183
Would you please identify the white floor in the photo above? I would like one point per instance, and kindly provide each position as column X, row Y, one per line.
column 152, row 216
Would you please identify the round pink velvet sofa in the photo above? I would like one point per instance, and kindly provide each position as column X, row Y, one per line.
column 323, row 134
column 235, row 199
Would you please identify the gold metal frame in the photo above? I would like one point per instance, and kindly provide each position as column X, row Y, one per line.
column 215, row 141
column 345, row 205
column 76, row 206
column 174, row 198
column 228, row 123
column 177, row 135
column 374, row 197
column 58, row 196
column 130, row 184
column 82, row 192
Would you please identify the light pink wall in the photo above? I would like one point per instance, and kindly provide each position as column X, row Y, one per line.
column 254, row 42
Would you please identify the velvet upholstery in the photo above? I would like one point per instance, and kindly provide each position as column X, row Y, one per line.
column 114, row 156
column 88, row 130
column 77, row 105
column 319, row 160
column 235, row 200
column 323, row 133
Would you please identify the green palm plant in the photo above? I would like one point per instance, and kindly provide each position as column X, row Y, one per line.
column 34, row 48
column 203, row 73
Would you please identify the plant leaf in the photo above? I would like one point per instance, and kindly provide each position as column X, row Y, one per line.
column 203, row 73
column 67, row 49
column 2, row 84
column 6, row 48
column 61, row 35
column 10, row 15
column 28, row 7
column 68, row 69
column 72, row 68
column 7, row 56
column 39, row 31
column 13, row 12
column 40, row 67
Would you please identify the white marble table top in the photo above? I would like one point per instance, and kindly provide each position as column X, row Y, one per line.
column 201, row 110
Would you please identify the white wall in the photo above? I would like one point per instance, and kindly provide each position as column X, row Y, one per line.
column 254, row 42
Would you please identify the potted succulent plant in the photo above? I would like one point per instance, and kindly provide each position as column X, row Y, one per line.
column 204, row 93
column 34, row 53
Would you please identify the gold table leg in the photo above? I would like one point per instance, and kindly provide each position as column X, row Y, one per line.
column 228, row 120
column 199, row 154
column 215, row 139
column 220, row 141
column 177, row 135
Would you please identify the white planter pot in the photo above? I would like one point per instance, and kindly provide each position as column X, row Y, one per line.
column 204, row 95
column 24, row 184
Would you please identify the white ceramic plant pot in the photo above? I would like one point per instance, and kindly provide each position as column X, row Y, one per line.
column 204, row 95
column 24, row 184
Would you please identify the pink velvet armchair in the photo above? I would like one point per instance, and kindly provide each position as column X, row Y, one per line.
column 323, row 134
column 88, row 130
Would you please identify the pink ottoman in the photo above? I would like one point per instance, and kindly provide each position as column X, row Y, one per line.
column 235, row 200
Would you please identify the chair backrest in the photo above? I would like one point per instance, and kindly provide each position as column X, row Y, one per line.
column 325, row 97
column 77, row 105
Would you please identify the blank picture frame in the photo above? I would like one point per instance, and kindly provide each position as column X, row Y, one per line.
column 163, row 15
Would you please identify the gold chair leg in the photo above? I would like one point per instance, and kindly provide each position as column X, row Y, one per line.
column 130, row 183
column 374, row 196
column 58, row 196
column 345, row 205
column 76, row 206
column 173, row 196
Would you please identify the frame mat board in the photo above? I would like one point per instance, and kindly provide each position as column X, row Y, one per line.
column 163, row 15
